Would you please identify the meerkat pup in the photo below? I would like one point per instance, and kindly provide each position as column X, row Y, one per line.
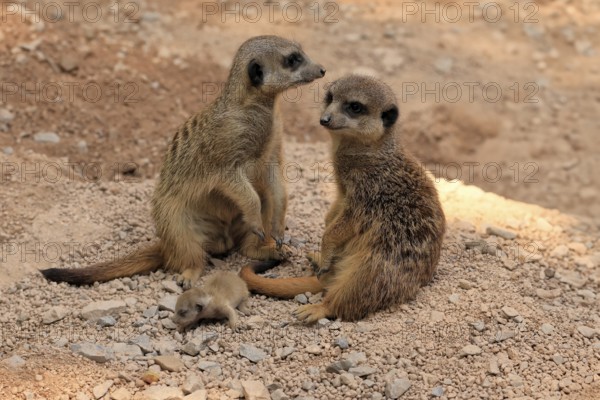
column 384, row 231
column 221, row 186
column 218, row 298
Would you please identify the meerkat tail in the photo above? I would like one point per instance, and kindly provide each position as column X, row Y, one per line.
column 142, row 261
column 285, row 288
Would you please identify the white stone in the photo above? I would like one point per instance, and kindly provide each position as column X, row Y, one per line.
column 255, row 390
column 252, row 353
column 55, row 314
column 587, row 331
column 547, row 329
column 192, row 384
column 160, row 392
column 93, row 351
column 168, row 303
column 396, row 388
column 469, row 350
column 46, row 137
column 560, row 251
column 509, row 312
column 197, row 395
column 100, row 390
column 93, row 311
column 121, row 394
column 14, row 362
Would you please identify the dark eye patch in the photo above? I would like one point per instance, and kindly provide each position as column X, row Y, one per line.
column 328, row 98
column 355, row 108
column 182, row 313
column 293, row 61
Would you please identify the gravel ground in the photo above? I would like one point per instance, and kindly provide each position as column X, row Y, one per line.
column 512, row 312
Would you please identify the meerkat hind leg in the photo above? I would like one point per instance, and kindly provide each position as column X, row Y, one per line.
column 311, row 313
column 232, row 317
column 244, row 308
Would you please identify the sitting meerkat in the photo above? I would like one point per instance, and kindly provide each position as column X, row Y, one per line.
column 221, row 187
column 384, row 231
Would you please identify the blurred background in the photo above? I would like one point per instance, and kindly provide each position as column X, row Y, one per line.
column 503, row 95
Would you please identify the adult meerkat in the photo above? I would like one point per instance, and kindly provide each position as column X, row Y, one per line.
column 218, row 298
column 220, row 187
column 383, row 233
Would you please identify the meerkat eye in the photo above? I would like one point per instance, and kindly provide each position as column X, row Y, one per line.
column 293, row 60
column 356, row 108
column 182, row 313
column 328, row 98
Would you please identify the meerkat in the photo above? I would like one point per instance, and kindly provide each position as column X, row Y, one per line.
column 383, row 233
column 218, row 298
column 220, row 186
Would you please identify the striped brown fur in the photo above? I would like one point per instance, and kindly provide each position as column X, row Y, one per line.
column 204, row 202
column 383, row 234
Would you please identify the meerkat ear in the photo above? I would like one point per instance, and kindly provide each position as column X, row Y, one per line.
column 389, row 116
column 255, row 73
column 199, row 307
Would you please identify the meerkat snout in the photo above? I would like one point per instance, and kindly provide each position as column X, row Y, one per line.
column 311, row 72
column 325, row 120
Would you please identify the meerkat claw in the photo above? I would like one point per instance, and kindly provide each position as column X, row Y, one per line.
column 260, row 234
column 278, row 242
column 184, row 282
column 321, row 271
column 311, row 313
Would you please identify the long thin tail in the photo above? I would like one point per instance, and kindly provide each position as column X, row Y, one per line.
column 142, row 261
column 285, row 288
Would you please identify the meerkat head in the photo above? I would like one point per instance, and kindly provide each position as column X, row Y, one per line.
column 191, row 307
column 359, row 107
column 272, row 64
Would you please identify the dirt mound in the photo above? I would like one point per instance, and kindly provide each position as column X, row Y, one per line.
column 439, row 133
column 511, row 310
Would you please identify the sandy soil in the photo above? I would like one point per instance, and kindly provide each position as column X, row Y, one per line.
column 549, row 274
column 153, row 63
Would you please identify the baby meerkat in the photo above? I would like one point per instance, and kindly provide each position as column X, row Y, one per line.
column 384, row 231
column 218, row 298
column 221, row 187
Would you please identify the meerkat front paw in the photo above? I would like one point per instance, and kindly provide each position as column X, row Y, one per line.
column 311, row 313
column 234, row 323
column 244, row 309
column 234, row 326
column 188, row 277
column 284, row 252
column 278, row 234
column 257, row 229
column 314, row 258
column 266, row 252
column 278, row 240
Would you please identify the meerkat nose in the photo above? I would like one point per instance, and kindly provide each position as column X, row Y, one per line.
column 323, row 70
column 326, row 120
